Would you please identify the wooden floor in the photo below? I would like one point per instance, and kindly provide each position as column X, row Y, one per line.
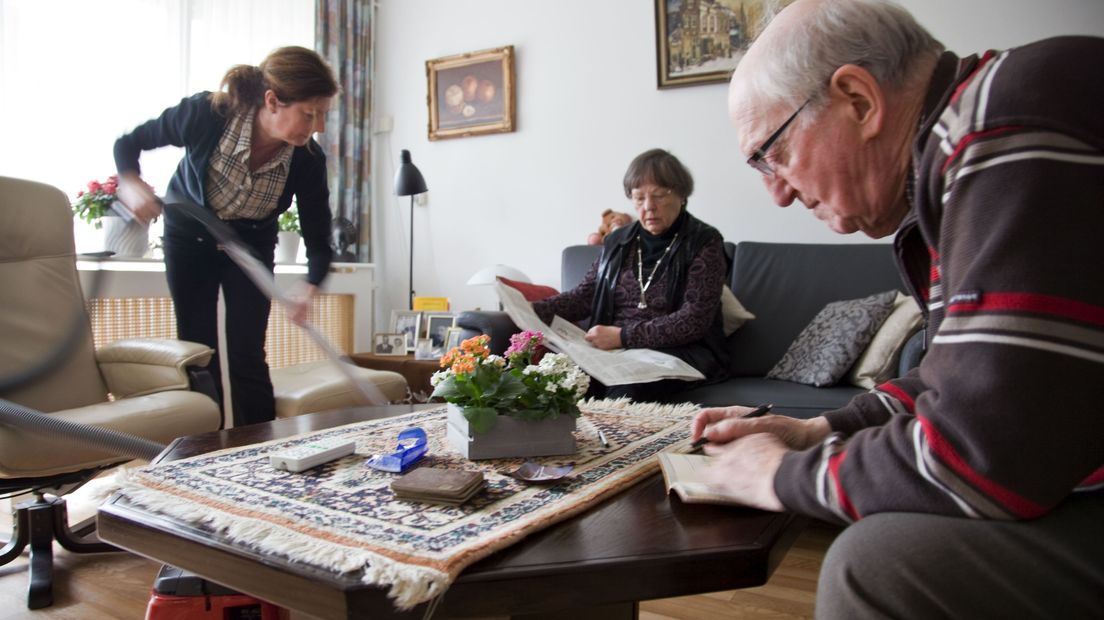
column 117, row 586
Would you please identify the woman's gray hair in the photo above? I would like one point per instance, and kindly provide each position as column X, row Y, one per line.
column 877, row 35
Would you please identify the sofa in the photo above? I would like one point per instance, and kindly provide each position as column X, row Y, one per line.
column 785, row 285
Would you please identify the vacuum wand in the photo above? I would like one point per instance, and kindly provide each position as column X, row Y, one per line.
column 266, row 282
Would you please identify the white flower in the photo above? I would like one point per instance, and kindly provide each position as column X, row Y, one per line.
column 438, row 377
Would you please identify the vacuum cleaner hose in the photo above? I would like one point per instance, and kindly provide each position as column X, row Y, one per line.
column 114, row 442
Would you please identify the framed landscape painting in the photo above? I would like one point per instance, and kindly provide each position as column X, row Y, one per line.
column 701, row 42
column 471, row 94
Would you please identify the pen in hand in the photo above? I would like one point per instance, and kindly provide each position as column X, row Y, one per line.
column 755, row 413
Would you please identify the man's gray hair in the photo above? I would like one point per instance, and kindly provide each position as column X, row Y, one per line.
column 877, row 35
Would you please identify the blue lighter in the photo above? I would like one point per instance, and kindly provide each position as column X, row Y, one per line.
column 409, row 450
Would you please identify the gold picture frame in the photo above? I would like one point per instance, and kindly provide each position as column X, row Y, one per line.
column 701, row 43
column 471, row 94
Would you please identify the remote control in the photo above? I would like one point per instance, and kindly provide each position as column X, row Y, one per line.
column 313, row 454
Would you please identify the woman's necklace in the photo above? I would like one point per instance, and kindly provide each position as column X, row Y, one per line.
column 642, row 304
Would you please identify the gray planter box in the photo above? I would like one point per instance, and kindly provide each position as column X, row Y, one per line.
column 511, row 437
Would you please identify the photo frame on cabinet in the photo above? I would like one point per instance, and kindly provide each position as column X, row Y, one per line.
column 408, row 322
column 389, row 344
column 471, row 94
column 702, row 42
column 437, row 326
column 452, row 338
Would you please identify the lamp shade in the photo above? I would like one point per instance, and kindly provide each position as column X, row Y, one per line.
column 488, row 275
column 408, row 180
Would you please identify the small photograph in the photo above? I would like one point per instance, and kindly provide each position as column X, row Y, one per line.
column 389, row 344
column 407, row 322
column 437, row 326
column 452, row 338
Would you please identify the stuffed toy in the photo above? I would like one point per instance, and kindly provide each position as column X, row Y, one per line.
column 611, row 221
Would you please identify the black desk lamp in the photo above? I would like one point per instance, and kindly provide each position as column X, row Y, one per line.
column 409, row 182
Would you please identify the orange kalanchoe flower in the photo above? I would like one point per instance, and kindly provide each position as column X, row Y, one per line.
column 464, row 365
column 477, row 346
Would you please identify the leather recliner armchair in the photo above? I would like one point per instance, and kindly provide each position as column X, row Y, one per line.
column 140, row 387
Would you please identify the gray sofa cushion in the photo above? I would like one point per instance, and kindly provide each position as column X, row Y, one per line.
column 792, row 399
column 786, row 284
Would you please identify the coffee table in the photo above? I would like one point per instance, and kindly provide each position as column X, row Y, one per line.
column 635, row 546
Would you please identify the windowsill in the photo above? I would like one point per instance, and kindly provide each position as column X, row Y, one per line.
column 110, row 263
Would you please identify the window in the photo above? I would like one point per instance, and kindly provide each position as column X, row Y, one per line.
column 77, row 74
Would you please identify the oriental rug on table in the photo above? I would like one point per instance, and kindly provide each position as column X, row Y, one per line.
column 343, row 516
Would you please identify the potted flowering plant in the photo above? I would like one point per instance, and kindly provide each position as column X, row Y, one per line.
column 287, row 236
column 523, row 404
column 124, row 237
column 94, row 203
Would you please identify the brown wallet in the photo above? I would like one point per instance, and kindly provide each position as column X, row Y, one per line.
column 438, row 485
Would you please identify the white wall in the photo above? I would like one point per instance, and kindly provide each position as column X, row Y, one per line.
column 586, row 105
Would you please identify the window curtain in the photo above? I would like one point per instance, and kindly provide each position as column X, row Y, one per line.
column 343, row 35
column 61, row 110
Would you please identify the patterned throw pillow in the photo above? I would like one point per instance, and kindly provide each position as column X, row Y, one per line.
column 833, row 340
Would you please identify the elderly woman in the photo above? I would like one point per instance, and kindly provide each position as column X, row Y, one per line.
column 657, row 284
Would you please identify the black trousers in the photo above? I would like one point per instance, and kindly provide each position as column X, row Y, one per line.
column 196, row 269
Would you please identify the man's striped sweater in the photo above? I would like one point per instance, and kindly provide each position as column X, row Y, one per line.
column 1003, row 249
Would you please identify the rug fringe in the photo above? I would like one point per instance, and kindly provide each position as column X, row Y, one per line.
column 625, row 404
column 407, row 585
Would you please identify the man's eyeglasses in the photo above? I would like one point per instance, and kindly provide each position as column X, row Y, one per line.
column 758, row 158
column 659, row 195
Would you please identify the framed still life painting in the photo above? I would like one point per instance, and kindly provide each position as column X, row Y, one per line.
column 699, row 42
column 471, row 94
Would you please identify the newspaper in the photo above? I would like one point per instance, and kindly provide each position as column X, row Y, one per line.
column 618, row 367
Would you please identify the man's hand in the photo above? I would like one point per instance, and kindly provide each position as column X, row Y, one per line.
column 721, row 425
column 745, row 469
column 605, row 337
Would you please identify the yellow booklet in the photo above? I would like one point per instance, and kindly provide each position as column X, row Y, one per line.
column 682, row 473
column 431, row 304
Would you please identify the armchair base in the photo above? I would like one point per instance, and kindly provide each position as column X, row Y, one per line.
column 38, row 523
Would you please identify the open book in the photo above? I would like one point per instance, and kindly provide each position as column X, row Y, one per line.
column 620, row 367
column 682, row 473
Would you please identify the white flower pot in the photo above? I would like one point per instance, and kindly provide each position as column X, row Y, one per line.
column 511, row 437
column 125, row 239
column 287, row 246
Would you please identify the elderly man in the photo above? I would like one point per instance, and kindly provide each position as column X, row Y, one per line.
column 977, row 477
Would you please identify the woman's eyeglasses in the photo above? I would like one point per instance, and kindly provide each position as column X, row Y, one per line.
column 659, row 195
column 758, row 159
